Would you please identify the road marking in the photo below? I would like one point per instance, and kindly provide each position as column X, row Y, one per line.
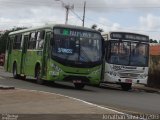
column 83, row 101
column 92, row 104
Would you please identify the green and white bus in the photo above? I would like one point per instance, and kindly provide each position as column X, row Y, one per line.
column 127, row 58
column 56, row 53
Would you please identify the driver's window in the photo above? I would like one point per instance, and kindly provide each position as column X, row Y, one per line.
column 124, row 48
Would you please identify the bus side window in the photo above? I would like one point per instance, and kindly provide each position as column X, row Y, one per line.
column 17, row 42
column 40, row 39
column 32, row 41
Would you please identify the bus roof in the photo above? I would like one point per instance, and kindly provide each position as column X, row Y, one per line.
column 104, row 33
column 116, row 35
column 51, row 26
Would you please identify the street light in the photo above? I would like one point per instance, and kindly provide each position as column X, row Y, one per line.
column 67, row 7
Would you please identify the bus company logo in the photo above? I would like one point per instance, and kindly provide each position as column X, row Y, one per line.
column 128, row 75
column 117, row 67
column 129, row 67
column 120, row 67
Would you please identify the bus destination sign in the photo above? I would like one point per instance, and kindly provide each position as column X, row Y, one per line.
column 129, row 36
column 76, row 33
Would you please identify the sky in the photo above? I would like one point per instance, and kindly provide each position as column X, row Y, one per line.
column 138, row 16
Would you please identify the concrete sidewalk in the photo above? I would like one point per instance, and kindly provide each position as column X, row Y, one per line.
column 145, row 88
column 19, row 101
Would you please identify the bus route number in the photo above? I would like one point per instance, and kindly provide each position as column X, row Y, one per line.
column 64, row 50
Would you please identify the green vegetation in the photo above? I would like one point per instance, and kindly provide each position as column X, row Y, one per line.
column 3, row 38
column 94, row 26
column 153, row 41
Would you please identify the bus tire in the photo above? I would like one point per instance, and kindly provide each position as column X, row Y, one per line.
column 126, row 86
column 38, row 75
column 79, row 85
column 15, row 75
column 23, row 77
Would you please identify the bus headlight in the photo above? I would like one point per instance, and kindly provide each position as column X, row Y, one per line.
column 56, row 68
column 96, row 72
column 143, row 76
column 112, row 73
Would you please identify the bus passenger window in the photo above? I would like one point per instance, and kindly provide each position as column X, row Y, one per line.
column 32, row 41
column 17, row 42
column 40, row 39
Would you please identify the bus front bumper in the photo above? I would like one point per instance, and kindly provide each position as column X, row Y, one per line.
column 116, row 79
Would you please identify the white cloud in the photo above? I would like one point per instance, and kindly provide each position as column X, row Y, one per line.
column 38, row 12
column 31, row 17
column 107, row 25
column 150, row 22
column 150, row 25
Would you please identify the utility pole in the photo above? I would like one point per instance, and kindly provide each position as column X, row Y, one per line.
column 84, row 12
column 67, row 7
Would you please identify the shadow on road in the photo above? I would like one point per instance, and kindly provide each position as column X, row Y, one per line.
column 70, row 86
column 133, row 90
column 60, row 85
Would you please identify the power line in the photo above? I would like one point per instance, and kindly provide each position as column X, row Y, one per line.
column 92, row 19
column 84, row 11
column 127, row 28
column 109, row 6
column 76, row 15
column 44, row 22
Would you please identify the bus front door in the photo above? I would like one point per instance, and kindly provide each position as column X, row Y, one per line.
column 45, row 53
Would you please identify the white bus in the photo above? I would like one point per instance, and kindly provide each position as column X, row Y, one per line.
column 126, row 58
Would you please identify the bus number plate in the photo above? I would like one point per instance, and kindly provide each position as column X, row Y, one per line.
column 128, row 81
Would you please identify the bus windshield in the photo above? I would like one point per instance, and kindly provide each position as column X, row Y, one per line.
column 77, row 45
column 128, row 53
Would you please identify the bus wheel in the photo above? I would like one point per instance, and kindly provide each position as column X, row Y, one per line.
column 23, row 77
column 126, row 86
column 15, row 75
column 79, row 85
column 38, row 77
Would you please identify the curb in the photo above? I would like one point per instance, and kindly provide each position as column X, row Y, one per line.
column 3, row 87
column 147, row 89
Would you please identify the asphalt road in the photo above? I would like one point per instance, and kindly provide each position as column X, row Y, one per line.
column 134, row 101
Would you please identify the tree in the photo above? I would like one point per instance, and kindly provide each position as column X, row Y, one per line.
column 4, row 37
column 100, row 30
column 153, row 41
column 95, row 27
column 3, row 41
